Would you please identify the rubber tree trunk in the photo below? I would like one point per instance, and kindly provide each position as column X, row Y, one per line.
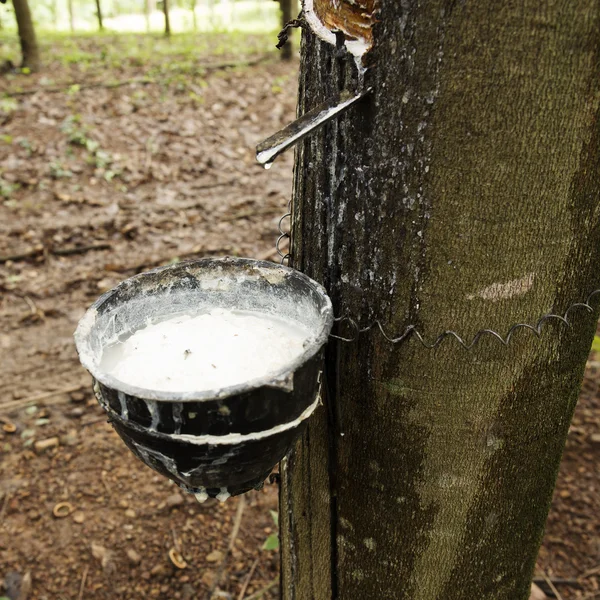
column 71, row 15
column 29, row 48
column 167, row 22
column 212, row 18
column 287, row 10
column 462, row 194
column 99, row 14
column 147, row 14
column 54, row 9
column 194, row 17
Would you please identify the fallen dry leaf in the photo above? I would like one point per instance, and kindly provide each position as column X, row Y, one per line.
column 103, row 555
column 215, row 556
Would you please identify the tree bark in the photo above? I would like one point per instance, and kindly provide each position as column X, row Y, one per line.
column 286, row 16
column 167, row 22
column 29, row 48
column 99, row 14
column 462, row 194
column 71, row 15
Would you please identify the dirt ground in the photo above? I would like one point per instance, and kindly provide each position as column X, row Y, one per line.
column 100, row 183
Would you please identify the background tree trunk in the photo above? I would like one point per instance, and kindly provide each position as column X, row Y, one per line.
column 147, row 14
column 194, row 17
column 71, row 15
column 462, row 194
column 54, row 9
column 29, row 48
column 167, row 22
column 99, row 14
column 287, row 14
column 211, row 13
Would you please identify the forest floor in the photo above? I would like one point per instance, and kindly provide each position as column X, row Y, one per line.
column 126, row 153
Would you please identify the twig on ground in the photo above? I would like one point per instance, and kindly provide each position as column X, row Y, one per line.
column 268, row 255
column 30, row 303
column 243, row 214
column 151, row 150
column 239, row 63
column 176, row 541
column 103, row 475
column 36, row 367
column 237, row 522
column 55, row 251
column 4, row 505
column 551, row 585
column 101, row 419
column 262, row 592
column 34, row 311
column 21, row 256
column 82, row 86
column 205, row 186
column 589, row 572
column 83, row 578
column 247, row 580
column 40, row 397
column 165, row 260
column 234, row 533
column 558, row 581
column 80, row 249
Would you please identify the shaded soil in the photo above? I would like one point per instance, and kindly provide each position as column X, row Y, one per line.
column 98, row 184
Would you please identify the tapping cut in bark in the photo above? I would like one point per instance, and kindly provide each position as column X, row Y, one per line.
column 353, row 18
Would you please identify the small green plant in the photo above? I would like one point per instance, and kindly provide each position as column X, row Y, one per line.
column 58, row 171
column 102, row 160
column 77, row 57
column 73, row 89
column 139, row 98
column 7, row 188
column 196, row 98
column 272, row 542
column 26, row 145
column 279, row 84
column 77, row 134
column 596, row 344
column 91, row 146
column 8, row 105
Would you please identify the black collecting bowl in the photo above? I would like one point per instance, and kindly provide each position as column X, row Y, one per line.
column 220, row 442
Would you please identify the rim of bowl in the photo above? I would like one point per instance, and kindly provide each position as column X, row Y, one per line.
column 280, row 379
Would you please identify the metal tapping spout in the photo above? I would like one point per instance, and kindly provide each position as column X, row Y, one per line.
column 271, row 148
